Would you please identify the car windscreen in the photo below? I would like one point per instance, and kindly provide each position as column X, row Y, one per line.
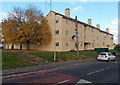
column 102, row 54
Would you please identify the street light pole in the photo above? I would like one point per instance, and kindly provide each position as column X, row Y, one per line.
column 55, row 41
column 76, row 24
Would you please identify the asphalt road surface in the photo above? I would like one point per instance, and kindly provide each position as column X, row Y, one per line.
column 96, row 72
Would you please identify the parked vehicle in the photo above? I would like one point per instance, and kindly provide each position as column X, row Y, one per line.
column 107, row 56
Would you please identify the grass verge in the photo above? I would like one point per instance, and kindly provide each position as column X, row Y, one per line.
column 64, row 56
column 14, row 60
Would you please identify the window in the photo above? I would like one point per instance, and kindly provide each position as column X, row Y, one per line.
column 92, row 44
column 89, row 36
column 67, row 44
column 110, row 54
column 56, row 43
column 66, row 20
column 80, row 25
column 56, row 31
column 66, row 32
column 89, row 28
column 97, row 38
column 92, row 29
column 92, row 36
column 102, row 54
column 57, row 20
column 81, row 44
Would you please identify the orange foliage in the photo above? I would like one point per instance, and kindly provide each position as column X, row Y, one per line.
column 34, row 28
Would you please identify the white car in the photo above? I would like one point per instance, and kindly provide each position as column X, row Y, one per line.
column 106, row 56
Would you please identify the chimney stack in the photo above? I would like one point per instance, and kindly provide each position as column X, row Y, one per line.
column 67, row 12
column 107, row 30
column 90, row 21
column 98, row 26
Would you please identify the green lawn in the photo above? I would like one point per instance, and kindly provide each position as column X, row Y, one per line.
column 13, row 60
column 113, row 51
column 64, row 56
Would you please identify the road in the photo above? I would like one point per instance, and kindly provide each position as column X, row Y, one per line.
column 96, row 72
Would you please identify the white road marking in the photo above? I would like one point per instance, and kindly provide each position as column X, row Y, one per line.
column 97, row 71
column 61, row 82
column 14, row 75
column 56, row 68
column 82, row 81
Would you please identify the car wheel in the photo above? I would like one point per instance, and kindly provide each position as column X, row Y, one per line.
column 114, row 59
column 108, row 60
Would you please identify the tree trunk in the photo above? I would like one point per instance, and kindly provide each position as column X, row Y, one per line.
column 28, row 47
column 28, row 42
column 12, row 46
column 20, row 46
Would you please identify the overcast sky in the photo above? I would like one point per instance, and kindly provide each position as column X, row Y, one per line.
column 103, row 13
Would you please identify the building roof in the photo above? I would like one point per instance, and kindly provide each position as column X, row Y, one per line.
column 79, row 22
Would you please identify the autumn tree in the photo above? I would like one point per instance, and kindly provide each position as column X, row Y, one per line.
column 26, row 27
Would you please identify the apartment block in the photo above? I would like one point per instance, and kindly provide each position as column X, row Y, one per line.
column 63, row 29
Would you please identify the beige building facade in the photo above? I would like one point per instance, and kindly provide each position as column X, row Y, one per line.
column 64, row 35
column 63, row 31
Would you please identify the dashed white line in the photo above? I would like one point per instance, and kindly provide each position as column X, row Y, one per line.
column 97, row 71
column 56, row 68
column 61, row 82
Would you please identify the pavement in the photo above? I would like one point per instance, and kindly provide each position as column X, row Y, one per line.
column 45, row 65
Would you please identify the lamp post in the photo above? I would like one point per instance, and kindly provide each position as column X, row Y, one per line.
column 77, row 44
column 55, row 41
